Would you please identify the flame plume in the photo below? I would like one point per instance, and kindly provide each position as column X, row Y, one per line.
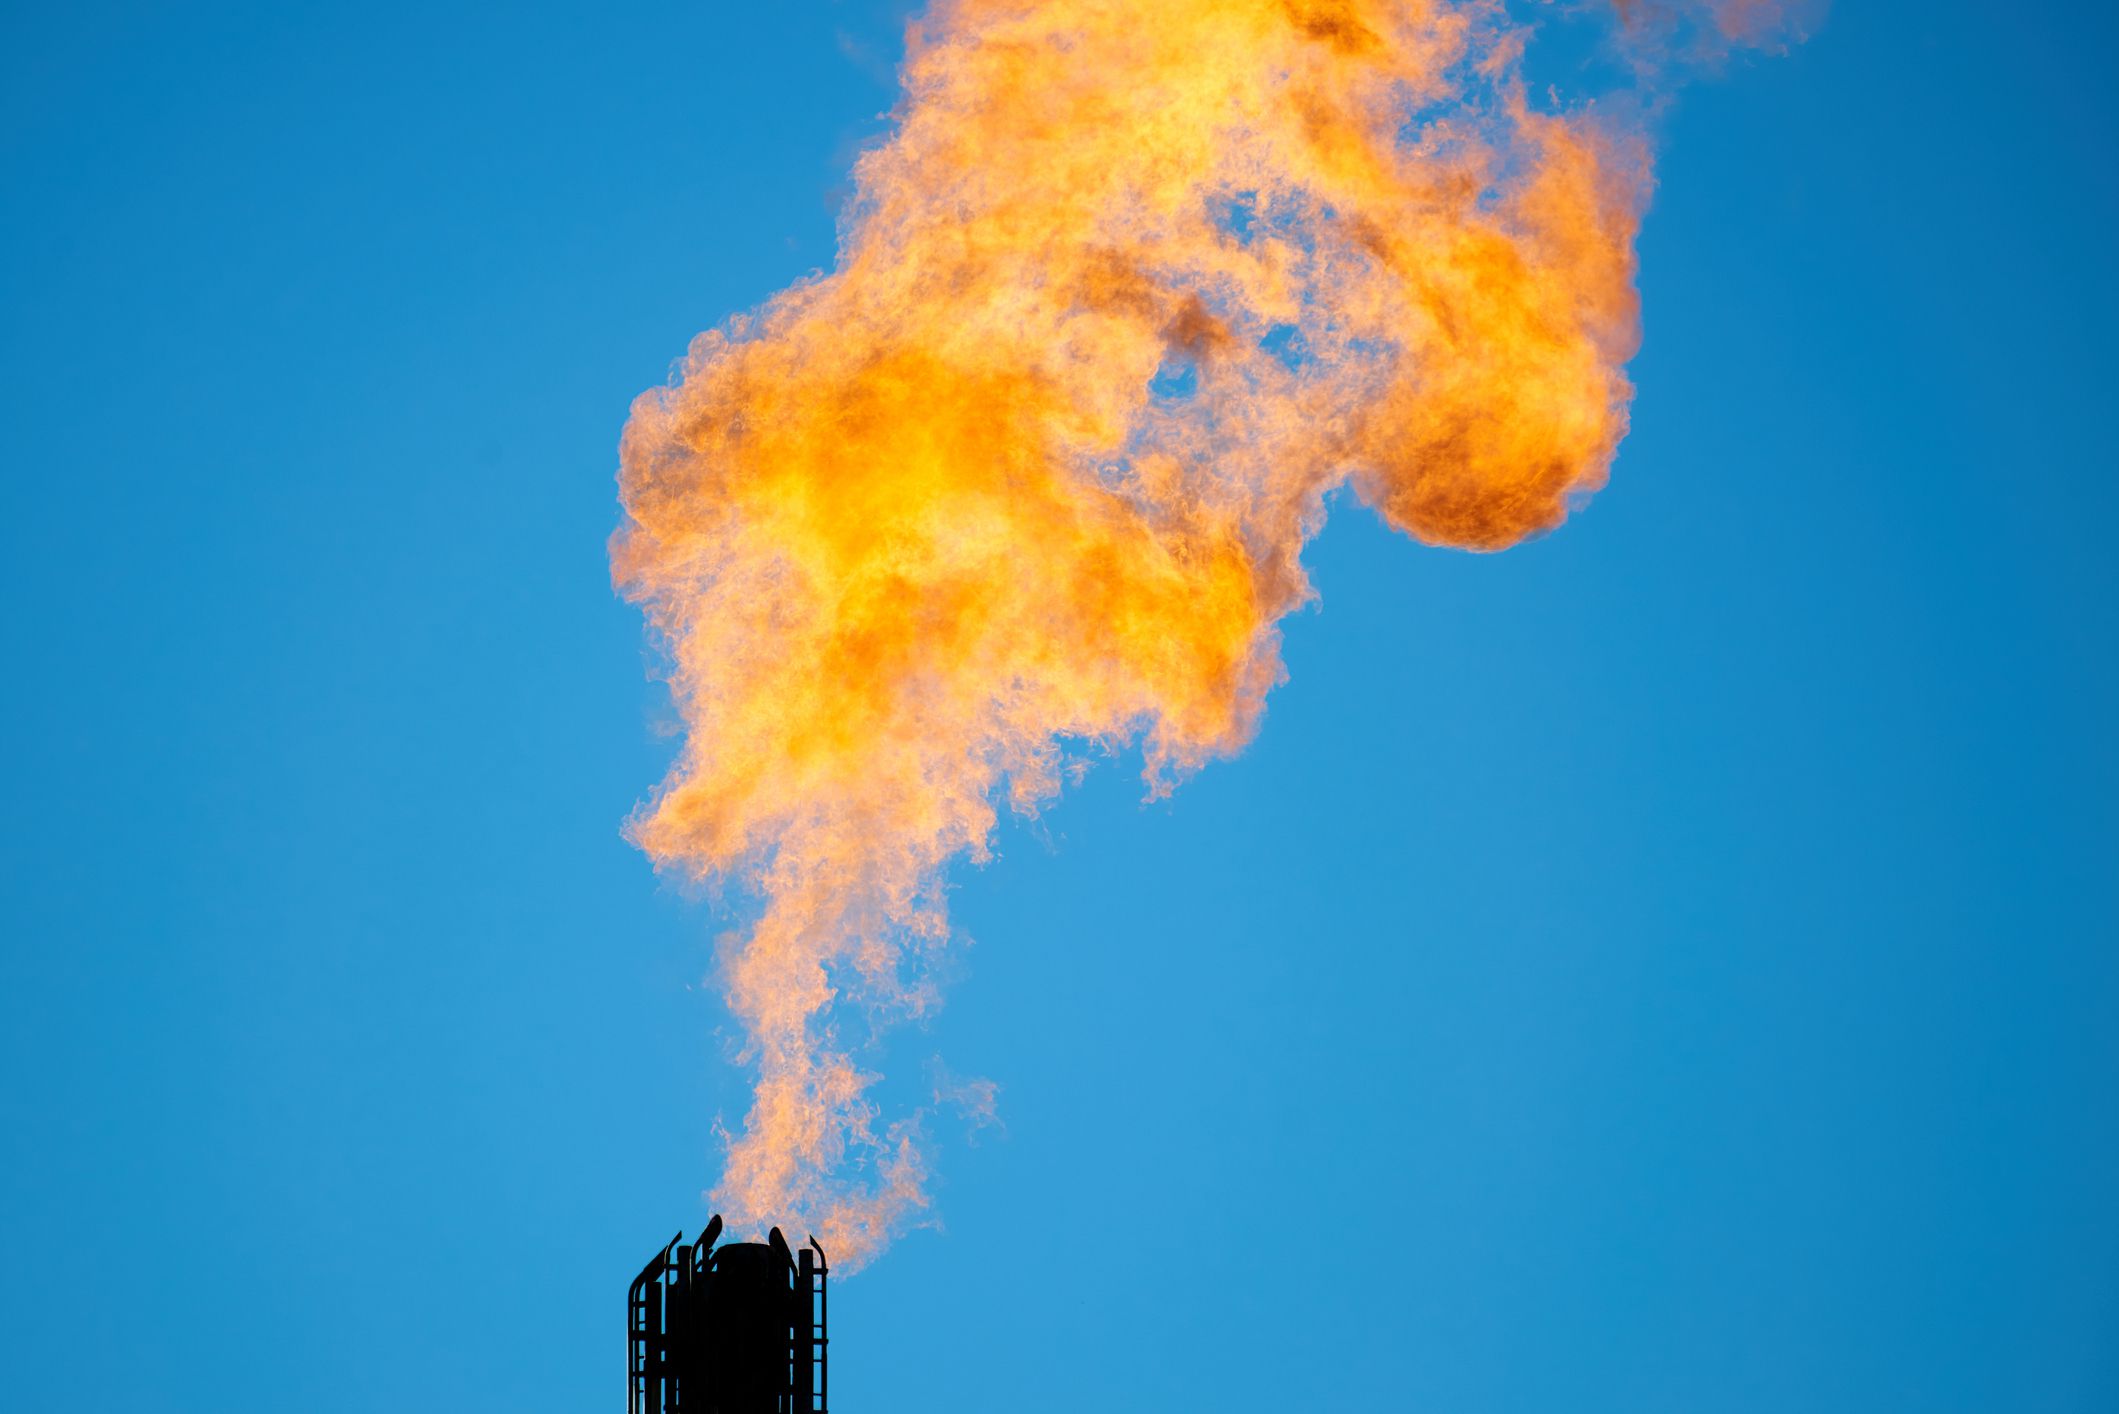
column 1128, row 292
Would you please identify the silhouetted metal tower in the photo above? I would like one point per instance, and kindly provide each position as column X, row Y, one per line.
column 737, row 1329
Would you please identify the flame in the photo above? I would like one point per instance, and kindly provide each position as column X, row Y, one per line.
column 1130, row 290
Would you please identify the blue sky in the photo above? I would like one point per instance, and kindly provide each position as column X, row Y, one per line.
column 1670, row 966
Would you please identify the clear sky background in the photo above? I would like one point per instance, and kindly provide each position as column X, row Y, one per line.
column 1670, row 967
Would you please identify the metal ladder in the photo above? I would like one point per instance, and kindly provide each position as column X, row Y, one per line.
column 646, row 1346
column 819, row 1342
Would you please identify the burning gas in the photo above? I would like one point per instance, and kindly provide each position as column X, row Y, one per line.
column 1128, row 292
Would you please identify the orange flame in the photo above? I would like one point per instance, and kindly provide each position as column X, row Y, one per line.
column 1130, row 290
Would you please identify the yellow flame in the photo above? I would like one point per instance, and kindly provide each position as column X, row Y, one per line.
column 1130, row 289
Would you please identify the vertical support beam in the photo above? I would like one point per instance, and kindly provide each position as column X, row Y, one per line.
column 678, row 1314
